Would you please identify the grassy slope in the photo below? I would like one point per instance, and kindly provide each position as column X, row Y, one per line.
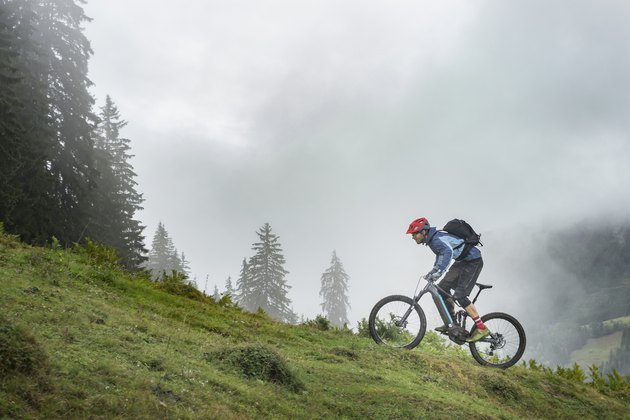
column 105, row 344
column 622, row 320
column 597, row 350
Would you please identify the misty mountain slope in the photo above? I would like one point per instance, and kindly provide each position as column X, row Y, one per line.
column 598, row 258
column 564, row 282
column 80, row 338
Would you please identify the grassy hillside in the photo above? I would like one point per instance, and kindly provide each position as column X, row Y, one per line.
column 80, row 338
column 597, row 350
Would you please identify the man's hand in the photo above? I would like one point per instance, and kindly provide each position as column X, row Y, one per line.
column 433, row 275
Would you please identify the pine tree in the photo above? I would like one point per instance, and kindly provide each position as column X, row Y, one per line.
column 243, row 293
column 163, row 257
column 184, row 265
column 66, row 51
column 216, row 295
column 116, row 200
column 334, row 291
column 267, row 287
column 27, row 205
column 229, row 290
column 12, row 134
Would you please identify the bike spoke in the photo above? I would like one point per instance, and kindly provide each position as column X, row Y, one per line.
column 397, row 323
column 505, row 344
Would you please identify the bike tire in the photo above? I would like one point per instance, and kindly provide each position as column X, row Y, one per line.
column 384, row 331
column 507, row 339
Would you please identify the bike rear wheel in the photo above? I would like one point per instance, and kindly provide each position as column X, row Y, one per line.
column 505, row 344
column 397, row 321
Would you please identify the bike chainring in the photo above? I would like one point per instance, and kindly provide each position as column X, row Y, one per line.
column 458, row 335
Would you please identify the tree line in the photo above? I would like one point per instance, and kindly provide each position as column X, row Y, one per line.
column 65, row 170
column 262, row 282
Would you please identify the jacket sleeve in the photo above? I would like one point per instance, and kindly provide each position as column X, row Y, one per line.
column 444, row 254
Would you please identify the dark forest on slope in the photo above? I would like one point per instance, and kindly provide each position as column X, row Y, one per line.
column 588, row 292
column 64, row 167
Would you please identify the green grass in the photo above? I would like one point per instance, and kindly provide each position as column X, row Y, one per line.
column 79, row 338
column 622, row 321
column 597, row 350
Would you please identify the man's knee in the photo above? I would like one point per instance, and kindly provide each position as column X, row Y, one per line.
column 463, row 301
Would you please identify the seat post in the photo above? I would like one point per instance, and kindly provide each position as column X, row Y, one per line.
column 477, row 295
column 481, row 287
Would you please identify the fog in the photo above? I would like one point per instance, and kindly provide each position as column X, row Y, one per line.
column 339, row 123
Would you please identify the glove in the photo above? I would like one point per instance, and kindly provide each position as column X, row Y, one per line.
column 434, row 274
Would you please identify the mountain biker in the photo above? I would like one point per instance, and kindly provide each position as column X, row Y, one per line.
column 461, row 277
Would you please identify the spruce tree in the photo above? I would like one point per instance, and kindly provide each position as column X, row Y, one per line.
column 334, row 289
column 163, row 257
column 66, row 51
column 12, row 134
column 184, row 265
column 27, row 144
column 243, row 293
column 267, row 286
column 229, row 290
column 116, row 200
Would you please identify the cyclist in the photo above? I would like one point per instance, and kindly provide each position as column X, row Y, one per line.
column 462, row 275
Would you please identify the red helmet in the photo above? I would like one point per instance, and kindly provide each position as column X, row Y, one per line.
column 418, row 225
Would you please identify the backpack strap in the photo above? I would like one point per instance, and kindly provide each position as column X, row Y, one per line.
column 454, row 236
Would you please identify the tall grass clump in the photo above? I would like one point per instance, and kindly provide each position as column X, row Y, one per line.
column 258, row 362
column 20, row 353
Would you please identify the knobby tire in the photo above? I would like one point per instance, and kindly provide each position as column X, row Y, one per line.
column 382, row 322
column 514, row 336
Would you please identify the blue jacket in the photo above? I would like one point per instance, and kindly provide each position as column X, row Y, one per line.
column 444, row 246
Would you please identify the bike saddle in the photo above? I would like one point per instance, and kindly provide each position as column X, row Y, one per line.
column 484, row 286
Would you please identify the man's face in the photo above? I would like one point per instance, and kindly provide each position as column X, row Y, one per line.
column 419, row 236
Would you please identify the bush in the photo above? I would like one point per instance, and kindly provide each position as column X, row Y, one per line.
column 501, row 386
column 258, row 362
column 320, row 322
column 7, row 240
column 19, row 351
column 575, row 373
column 388, row 330
column 98, row 253
column 177, row 284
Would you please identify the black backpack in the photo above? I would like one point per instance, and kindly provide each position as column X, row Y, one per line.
column 463, row 230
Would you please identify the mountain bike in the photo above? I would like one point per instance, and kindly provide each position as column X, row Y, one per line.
column 399, row 321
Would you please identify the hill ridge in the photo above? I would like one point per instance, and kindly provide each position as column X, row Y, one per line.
column 80, row 337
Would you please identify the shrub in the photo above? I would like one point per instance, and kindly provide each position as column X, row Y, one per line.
column 226, row 301
column 538, row 367
column 388, row 330
column 320, row 322
column 20, row 353
column 177, row 284
column 575, row 373
column 500, row 385
column 363, row 328
column 11, row 241
column 98, row 253
column 259, row 362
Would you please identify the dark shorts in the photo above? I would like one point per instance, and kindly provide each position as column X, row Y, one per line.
column 461, row 278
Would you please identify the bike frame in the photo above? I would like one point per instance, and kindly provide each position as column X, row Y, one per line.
column 434, row 290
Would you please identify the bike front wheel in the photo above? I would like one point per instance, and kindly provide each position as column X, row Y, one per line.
column 397, row 321
column 505, row 344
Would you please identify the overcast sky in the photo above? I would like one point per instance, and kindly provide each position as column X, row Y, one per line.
column 338, row 122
